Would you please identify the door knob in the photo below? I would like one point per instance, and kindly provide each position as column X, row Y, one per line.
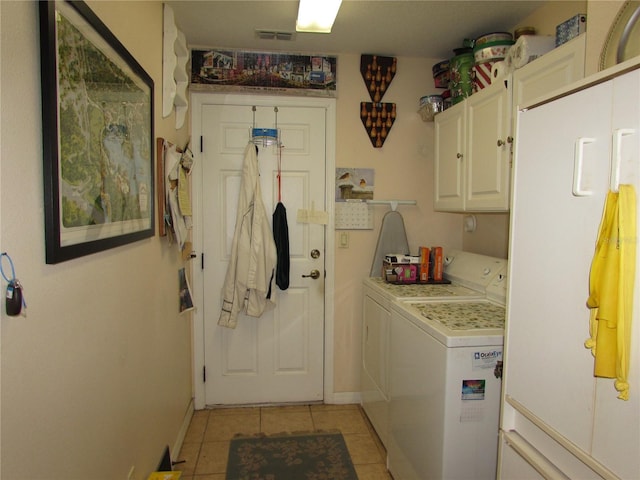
column 315, row 274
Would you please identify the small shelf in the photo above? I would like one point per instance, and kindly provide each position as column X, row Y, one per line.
column 392, row 203
column 175, row 78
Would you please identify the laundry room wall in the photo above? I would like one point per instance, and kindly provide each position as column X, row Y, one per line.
column 600, row 17
column 96, row 379
column 403, row 171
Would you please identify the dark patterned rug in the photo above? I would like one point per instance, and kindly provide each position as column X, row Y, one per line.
column 298, row 456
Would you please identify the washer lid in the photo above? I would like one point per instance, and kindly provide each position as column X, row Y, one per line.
column 421, row 290
column 456, row 323
column 463, row 315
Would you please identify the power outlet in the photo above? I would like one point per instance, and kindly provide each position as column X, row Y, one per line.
column 132, row 473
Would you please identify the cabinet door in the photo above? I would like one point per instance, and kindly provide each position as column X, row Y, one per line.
column 449, row 159
column 375, row 370
column 375, row 343
column 489, row 149
column 553, row 70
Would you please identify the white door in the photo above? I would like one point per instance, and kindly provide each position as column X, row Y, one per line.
column 278, row 357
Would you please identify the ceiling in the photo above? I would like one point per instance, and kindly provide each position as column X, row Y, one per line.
column 412, row 28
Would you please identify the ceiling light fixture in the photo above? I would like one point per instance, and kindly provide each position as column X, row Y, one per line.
column 317, row 16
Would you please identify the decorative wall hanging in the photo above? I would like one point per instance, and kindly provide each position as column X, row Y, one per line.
column 377, row 119
column 97, row 112
column 240, row 70
column 378, row 73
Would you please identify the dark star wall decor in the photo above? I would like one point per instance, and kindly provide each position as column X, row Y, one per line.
column 378, row 73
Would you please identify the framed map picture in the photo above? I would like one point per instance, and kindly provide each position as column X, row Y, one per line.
column 97, row 112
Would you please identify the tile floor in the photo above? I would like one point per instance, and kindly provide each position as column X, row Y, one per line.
column 206, row 444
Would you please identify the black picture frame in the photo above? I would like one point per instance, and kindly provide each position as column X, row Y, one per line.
column 98, row 130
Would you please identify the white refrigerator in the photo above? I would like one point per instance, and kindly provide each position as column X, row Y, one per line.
column 557, row 419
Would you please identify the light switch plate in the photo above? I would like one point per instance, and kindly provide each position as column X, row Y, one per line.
column 344, row 240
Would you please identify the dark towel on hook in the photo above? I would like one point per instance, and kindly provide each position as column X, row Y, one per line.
column 281, row 238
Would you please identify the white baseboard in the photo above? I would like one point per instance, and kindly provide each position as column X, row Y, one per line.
column 186, row 421
column 342, row 398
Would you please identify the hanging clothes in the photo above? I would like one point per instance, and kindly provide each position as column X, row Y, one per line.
column 248, row 281
column 177, row 222
column 281, row 233
column 611, row 289
column 281, row 238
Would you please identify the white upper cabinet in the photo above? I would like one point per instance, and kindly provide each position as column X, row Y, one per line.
column 472, row 142
column 489, row 141
column 560, row 67
column 450, row 143
column 474, row 138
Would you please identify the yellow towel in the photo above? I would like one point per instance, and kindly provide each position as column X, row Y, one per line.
column 611, row 282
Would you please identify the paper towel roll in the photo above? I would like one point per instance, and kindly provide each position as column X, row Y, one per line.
column 528, row 48
column 499, row 70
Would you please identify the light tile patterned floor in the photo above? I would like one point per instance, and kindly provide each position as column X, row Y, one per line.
column 206, row 445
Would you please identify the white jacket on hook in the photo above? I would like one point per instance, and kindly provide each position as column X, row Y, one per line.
column 249, row 282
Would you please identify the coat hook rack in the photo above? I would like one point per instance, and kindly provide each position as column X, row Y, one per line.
column 265, row 136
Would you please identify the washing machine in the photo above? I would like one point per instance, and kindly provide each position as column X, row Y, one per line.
column 469, row 275
column 445, row 360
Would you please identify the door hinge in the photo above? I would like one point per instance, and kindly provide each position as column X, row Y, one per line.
column 202, row 261
column 201, row 144
column 204, row 374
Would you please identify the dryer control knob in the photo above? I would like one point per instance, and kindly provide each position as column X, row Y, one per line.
column 486, row 271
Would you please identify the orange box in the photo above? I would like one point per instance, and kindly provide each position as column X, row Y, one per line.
column 436, row 262
column 423, row 252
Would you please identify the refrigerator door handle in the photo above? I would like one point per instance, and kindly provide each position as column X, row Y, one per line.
column 532, row 456
column 614, row 176
column 578, row 157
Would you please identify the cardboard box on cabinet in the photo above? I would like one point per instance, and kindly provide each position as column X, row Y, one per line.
column 571, row 28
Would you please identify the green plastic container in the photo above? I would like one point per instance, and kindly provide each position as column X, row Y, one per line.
column 461, row 77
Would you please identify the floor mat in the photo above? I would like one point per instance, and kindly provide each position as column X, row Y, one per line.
column 297, row 456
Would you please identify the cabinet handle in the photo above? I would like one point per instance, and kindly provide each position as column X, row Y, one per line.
column 459, row 155
column 578, row 157
column 614, row 175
